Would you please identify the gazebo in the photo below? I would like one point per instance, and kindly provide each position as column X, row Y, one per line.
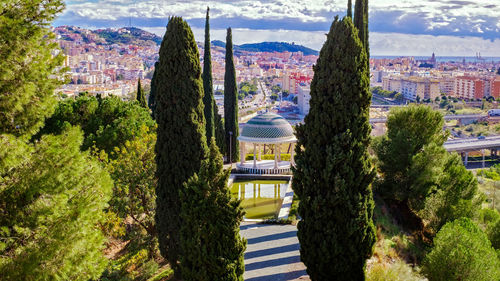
column 266, row 129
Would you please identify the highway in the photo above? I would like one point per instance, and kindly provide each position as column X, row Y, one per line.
column 446, row 117
column 472, row 144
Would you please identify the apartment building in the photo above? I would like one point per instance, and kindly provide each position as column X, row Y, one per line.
column 471, row 87
column 303, row 98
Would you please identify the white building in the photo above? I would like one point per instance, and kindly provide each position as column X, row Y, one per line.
column 303, row 98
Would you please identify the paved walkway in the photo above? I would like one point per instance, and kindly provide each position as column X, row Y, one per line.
column 272, row 253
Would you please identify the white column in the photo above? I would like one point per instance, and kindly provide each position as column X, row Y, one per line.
column 275, row 157
column 254, row 156
column 482, row 152
column 466, row 158
column 292, row 160
column 279, row 152
column 242, row 152
column 260, row 154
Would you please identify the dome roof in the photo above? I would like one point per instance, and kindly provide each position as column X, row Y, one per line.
column 267, row 128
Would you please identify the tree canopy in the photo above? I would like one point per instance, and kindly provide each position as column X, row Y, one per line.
column 181, row 142
column 208, row 97
column 462, row 252
column 210, row 239
column 107, row 123
column 52, row 197
column 28, row 65
column 333, row 172
column 231, row 127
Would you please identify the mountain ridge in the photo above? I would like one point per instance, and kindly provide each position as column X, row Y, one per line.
column 137, row 36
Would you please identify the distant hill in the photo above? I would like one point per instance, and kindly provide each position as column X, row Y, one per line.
column 136, row 36
column 269, row 47
column 128, row 35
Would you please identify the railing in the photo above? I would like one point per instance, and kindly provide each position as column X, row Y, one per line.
column 260, row 171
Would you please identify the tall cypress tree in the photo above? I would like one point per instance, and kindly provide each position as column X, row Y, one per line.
column 361, row 23
column 181, row 143
column 349, row 8
column 333, row 172
column 140, row 95
column 152, row 93
column 219, row 130
column 208, row 98
column 210, row 240
column 231, row 103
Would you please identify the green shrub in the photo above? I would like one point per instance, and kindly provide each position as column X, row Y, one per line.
column 284, row 157
column 398, row 271
column 162, row 275
column 462, row 252
column 493, row 232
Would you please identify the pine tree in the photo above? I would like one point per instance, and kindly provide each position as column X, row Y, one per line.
column 53, row 197
column 140, row 95
column 181, row 143
column 152, row 92
column 361, row 23
column 208, row 98
column 231, row 103
column 210, row 240
column 349, row 9
column 333, row 172
column 28, row 68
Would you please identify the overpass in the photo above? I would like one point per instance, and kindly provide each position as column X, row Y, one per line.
column 463, row 118
column 464, row 146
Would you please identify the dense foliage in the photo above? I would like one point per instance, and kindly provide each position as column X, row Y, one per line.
column 152, row 92
column 361, row 23
column 133, row 168
column 270, row 47
column 453, row 193
column 245, row 89
column 333, row 171
column 231, row 126
column 181, row 143
column 133, row 36
column 418, row 172
column 107, row 123
column 141, row 98
column 410, row 130
column 219, row 130
column 462, row 252
column 52, row 196
column 210, row 240
column 29, row 58
column 208, row 97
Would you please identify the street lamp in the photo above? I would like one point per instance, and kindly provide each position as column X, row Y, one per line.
column 230, row 148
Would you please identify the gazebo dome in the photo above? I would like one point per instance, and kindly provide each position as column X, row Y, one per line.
column 267, row 128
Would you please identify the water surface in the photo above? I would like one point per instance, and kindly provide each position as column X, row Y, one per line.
column 261, row 199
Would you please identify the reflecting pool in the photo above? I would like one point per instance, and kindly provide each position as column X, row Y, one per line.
column 260, row 198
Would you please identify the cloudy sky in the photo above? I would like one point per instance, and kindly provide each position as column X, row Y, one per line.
column 404, row 27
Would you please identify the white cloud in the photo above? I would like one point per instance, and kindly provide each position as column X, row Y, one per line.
column 384, row 44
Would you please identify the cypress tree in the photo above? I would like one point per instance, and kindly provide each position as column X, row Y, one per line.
column 152, row 93
column 333, row 172
column 181, row 143
column 208, row 98
column 140, row 95
column 361, row 23
column 231, row 103
column 219, row 130
column 349, row 8
column 210, row 240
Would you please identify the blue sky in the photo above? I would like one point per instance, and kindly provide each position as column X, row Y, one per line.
column 405, row 27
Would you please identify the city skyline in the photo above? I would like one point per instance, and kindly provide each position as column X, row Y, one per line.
column 447, row 27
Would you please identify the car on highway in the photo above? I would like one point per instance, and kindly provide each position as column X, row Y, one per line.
column 481, row 137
